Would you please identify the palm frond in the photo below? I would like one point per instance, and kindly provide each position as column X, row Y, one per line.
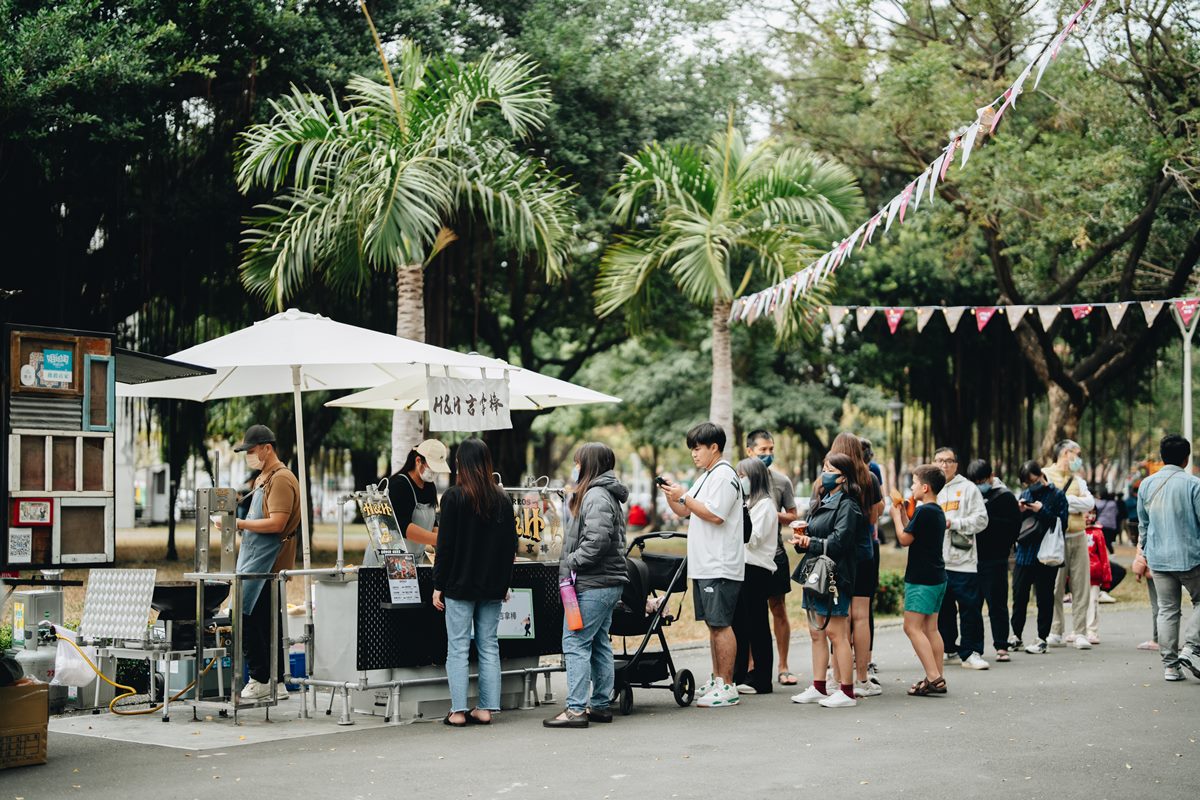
column 625, row 271
column 454, row 93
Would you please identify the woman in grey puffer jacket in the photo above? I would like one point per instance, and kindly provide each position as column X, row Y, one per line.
column 593, row 554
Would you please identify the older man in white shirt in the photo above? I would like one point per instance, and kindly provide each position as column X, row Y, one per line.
column 1064, row 474
column 966, row 515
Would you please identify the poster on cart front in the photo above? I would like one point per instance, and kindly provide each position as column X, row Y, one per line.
column 402, row 579
column 516, row 616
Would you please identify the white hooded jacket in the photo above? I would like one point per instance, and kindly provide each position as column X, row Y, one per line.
column 966, row 516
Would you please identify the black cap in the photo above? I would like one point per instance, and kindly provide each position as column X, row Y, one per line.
column 255, row 435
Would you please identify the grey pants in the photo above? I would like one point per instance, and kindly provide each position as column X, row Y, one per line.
column 1170, row 586
column 1079, row 568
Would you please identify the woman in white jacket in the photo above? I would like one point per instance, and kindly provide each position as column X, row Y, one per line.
column 751, row 621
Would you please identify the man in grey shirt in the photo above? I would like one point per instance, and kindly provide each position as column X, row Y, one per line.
column 760, row 445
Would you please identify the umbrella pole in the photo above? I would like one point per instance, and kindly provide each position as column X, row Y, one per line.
column 305, row 531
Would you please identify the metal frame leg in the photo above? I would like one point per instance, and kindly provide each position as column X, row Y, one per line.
column 345, row 718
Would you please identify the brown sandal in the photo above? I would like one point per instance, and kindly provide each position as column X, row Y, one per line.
column 938, row 685
column 919, row 689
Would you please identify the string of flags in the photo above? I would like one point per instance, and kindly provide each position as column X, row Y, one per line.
column 962, row 143
column 1046, row 314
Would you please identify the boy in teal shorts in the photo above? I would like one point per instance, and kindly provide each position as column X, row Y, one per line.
column 925, row 576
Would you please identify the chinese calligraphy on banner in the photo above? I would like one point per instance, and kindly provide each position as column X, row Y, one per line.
column 475, row 404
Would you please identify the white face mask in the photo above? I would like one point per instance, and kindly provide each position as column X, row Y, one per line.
column 427, row 475
column 253, row 461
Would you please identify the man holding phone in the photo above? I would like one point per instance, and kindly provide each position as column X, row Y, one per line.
column 716, row 557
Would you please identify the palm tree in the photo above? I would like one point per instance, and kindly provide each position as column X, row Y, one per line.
column 702, row 215
column 372, row 183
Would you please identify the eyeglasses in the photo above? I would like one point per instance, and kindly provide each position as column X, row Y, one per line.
column 945, row 461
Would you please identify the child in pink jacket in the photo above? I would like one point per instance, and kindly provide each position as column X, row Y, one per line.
column 1101, row 573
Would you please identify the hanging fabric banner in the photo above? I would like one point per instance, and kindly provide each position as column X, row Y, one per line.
column 862, row 315
column 837, row 314
column 1047, row 315
column 1079, row 312
column 894, row 315
column 1186, row 309
column 1015, row 315
column 983, row 315
column 924, row 314
column 1116, row 313
column 474, row 404
column 953, row 315
column 1151, row 309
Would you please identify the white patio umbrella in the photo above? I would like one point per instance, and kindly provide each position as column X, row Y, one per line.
column 527, row 391
column 295, row 352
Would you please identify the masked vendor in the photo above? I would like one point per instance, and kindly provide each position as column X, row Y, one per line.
column 268, row 545
column 414, row 499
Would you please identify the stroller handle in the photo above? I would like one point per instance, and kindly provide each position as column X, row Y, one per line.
column 639, row 541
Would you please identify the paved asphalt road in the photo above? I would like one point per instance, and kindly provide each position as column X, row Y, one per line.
column 1089, row 725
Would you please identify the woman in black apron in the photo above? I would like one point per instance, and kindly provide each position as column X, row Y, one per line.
column 414, row 499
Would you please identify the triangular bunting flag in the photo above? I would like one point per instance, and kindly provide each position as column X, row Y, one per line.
column 854, row 238
column 1015, row 315
column 924, row 314
column 1008, row 96
column 837, row 314
column 969, row 143
column 862, row 315
column 871, row 226
column 935, row 174
column 1047, row 315
column 1079, row 312
column 1151, row 309
column 894, row 315
column 1186, row 309
column 949, row 157
column 1116, row 313
column 983, row 315
column 953, row 315
column 905, row 196
column 891, row 212
column 920, row 189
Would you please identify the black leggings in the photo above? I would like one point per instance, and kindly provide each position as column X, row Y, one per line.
column 256, row 638
column 752, row 627
column 1041, row 579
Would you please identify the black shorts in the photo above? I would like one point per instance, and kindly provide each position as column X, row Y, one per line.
column 780, row 582
column 715, row 600
column 866, row 577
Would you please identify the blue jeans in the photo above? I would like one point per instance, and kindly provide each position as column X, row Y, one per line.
column 962, row 595
column 484, row 617
column 588, row 652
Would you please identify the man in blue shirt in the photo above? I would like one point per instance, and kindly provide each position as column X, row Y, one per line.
column 1169, row 524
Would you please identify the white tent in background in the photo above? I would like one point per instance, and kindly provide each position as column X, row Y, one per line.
column 296, row 352
column 527, row 390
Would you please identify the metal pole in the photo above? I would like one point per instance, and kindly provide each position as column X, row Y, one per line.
column 305, row 529
column 1186, row 331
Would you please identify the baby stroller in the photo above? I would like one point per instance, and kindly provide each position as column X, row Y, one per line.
column 659, row 576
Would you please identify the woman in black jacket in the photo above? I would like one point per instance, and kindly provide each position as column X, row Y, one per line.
column 476, row 544
column 593, row 557
column 835, row 518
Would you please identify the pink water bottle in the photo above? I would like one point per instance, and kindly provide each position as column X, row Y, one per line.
column 570, row 601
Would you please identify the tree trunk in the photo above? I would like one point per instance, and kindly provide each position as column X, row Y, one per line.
column 721, row 406
column 1063, row 421
column 408, row 426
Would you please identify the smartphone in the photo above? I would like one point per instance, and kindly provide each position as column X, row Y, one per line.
column 660, row 480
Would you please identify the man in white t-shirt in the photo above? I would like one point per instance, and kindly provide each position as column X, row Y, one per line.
column 966, row 516
column 716, row 557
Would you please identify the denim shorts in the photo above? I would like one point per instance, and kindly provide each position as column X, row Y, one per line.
column 841, row 608
column 715, row 600
column 921, row 598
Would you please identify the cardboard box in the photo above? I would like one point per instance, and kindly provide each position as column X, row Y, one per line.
column 24, row 717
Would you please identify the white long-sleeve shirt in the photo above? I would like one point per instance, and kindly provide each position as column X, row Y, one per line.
column 1079, row 497
column 760, row 550
column 966, row 516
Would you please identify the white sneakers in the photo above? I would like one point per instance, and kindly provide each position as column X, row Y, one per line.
column 1106, row 598
column 1081, row 643
column 1172, row 674
column 261, row 691
column 707, row 686
column 973, row 661
column 809, row 695
column 1190, row 661
column 719, row 697
column 1037, row 648
column 838, row 700
column 1055, row 640
column 867, row 689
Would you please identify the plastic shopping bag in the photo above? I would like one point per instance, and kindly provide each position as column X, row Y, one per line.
column 70, row 668
column 1052, row 552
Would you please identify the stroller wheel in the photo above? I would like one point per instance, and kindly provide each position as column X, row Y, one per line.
column 625, row 702
column 684, row 688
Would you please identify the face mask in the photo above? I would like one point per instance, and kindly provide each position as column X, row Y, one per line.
column 745, row 485
column 427, row 475
column 253, row 461
column 1076, row 464
column 575, row 474
column 829, row 481
column 985, row 487
column 767, row 460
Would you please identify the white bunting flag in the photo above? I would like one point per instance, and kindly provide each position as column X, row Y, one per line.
column 892, row 208
column 862, row 315
column 953, row 315
column 935, row 173
column 950, row 148
column 1151, row 309
column 854, row 238
column 1047, row 314
column 924, row 314
column 920, row 189
column 1116, row 313
column 969, row 143
column 871, row 226
column 837, row 314
column 1015, row 315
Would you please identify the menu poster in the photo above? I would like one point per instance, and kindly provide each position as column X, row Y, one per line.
column 516, row 616
column 380, row 520
column 402, row 579
column 20, row 545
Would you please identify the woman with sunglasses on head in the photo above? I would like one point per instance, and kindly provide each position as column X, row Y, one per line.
column 835, row 520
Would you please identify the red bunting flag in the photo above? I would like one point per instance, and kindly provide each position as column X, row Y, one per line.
column 983, row 315
column 1187, row 309
column 893, row 315
column 1079, row 312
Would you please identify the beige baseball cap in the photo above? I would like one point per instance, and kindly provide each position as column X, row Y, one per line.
column 434, row 452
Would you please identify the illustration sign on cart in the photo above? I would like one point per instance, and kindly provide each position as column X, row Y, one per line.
column 469, row 404
column 516, row 615
column 402, row 579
